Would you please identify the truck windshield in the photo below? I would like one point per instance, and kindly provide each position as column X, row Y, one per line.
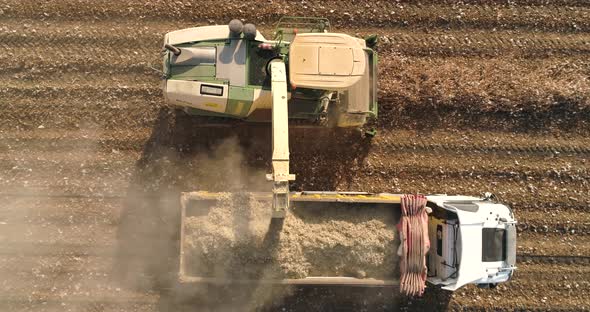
column 493, row 245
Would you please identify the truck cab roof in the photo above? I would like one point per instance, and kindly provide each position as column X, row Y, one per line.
column 479, row 242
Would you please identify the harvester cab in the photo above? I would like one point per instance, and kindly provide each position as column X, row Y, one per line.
column 323, row 78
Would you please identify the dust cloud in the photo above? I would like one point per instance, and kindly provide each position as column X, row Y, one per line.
column 99, row 229
column 149, row 232
column 58, row 219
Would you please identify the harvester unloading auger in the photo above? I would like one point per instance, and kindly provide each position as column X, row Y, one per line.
column 326, row 79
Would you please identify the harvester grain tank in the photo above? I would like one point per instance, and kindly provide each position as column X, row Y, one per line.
column 309, row 75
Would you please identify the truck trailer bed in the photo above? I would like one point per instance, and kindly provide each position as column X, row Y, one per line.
column 326, row 238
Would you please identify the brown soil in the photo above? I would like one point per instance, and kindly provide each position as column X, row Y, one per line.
column 236, row 240
column 474, row 96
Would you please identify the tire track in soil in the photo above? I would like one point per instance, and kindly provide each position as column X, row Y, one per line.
column 411, row 43
column 79, row 250
column 421, row 170
column 574, row 279
column 567, row 116
column 400, row 169
column 570, row 17
column 396, row 164
column 455, row 142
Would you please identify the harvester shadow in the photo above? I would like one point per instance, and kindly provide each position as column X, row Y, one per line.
column 327, row 159
column 182, row 156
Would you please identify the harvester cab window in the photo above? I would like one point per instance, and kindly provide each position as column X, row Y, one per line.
column 493, row 244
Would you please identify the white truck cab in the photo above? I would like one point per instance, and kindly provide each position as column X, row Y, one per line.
column 472, row 241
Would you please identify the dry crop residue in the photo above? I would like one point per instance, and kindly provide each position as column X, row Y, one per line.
column 474, row 96
column 236, row 240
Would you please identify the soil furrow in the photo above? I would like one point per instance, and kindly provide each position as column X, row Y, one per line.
column 471, row 163
column 558, row 259
column 406, row 43
column 568, row 116
column 474, row 96
column 136, row 138
column 440, row 140
column 341, row 13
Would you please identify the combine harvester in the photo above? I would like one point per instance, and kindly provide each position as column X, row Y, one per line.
column 328, row 79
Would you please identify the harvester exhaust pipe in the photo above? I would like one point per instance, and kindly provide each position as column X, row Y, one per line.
column 176, row 51
column 250, row 31
column 235, row 27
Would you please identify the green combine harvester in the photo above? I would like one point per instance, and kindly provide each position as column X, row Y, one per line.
column 221, row 72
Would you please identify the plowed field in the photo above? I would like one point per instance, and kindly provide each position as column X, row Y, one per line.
column 478, row 96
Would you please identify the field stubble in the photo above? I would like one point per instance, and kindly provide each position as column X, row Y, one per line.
column 92, row 160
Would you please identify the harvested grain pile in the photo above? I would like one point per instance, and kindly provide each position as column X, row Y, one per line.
column 236, row 239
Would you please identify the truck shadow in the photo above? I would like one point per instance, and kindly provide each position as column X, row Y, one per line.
column 182, row 155
column 311, row 298
column 360, row 299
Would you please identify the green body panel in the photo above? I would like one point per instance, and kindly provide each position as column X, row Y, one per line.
column 201, row 112
column 192, row 72
column 239, row 101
